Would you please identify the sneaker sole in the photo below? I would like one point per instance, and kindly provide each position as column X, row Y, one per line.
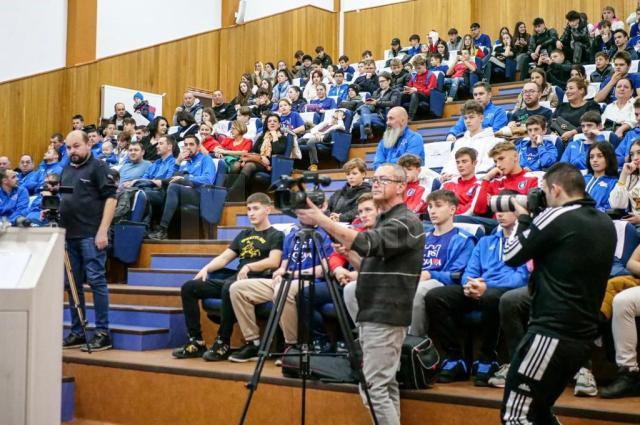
column 221, row 359
column 496, row 384
column 237, row 360
column 105, row 348
column 71, row 347
column 585, row 392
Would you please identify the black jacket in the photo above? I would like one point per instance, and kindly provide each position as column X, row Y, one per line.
column 343, row 201
column 572, row 247
column 400, row 80
column 386, row 100
column 367, row 84
column 558, row 74
column 226, row 111
column 576, row 35
column 326, row 60
column 546, row 41
column 391, row 266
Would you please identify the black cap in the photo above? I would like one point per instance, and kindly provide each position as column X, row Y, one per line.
column 395, row 41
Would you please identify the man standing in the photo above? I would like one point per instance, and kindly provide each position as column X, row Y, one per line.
column 86, row 214
column 567, row 292
column 398, row 139
column 387, row 280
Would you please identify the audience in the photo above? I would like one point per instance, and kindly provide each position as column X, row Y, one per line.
column 373, row 113
column 621, row 66
column 190, row 104
column 322, row 133
column 398, row 139
column 602, row 174
column 494, row 116
column 465, row 185
column 420, row 183
column 566, row 117
column 136, row 167
column 619, row 115
column 547, row 91
column 537, row 151
column 517, row 124
column 14, row 200
column 576, row 151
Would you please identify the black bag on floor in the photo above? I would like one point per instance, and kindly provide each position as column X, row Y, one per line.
column 328, row 369
column 419, row 362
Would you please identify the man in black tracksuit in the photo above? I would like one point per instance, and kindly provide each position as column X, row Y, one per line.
column 572, row 245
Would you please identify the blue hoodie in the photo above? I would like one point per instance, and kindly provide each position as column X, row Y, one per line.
column 486, row 262
column 599, row 189
column 540, row 157
column 408, row 142
column 161, row 169
column 14, row 204
column 577, row 150
column 494, row 117
column 447, row 254
column 31, row 181
column 625, row 145
column 340, row 92
column 201, row 169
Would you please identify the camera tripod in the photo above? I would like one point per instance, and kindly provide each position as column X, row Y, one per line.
column 307, row 238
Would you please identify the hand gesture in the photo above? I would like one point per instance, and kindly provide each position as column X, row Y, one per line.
column 202, row 274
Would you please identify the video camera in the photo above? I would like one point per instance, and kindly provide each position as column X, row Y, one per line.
column 535, row 201
column 51, row 203
column 291, row 195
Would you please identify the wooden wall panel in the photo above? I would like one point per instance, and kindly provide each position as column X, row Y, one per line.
column 81, row 31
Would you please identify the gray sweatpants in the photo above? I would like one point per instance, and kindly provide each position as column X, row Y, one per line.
column 419, row 325
column 626, row 307
column 381, row 348
column 350, row 301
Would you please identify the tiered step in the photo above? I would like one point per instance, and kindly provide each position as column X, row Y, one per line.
column 140, row 327
column 68, row 398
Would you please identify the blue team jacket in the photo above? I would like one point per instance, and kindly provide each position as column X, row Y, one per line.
column 54, row 168
column 494, row 117
column 486, row 262
column 14, row 204
column 625, row 145
column 340, row 92
column 31, row 181
column 161, row 169
column 408, row 142
column 538, row 158
column 201, row 169
column 454, row 260
column 577, row 150
column 599, row 189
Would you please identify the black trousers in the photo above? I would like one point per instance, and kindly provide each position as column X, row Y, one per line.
column 514, row 316
column 446, row 307
column 194, row 290
column 155, row 199
column 540, row 371
column 414, row 100
column 177, row 195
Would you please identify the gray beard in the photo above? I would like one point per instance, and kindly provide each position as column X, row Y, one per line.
column 391, row 136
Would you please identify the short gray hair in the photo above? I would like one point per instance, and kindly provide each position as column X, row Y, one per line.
column 398, row 171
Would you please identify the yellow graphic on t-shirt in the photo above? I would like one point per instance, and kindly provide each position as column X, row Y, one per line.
column 249, row 251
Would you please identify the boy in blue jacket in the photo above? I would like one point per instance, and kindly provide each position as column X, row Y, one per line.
column 484, row 281
column 577, row 150
column 195, row 170
column 494, row 116
column 538, row 151
column 447, row 250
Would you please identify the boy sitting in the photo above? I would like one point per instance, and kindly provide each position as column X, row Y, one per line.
column 466, row 185
column 420, row 183
column 537, row 151
column 578, row 148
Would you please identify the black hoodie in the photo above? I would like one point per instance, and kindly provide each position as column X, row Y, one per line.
column 343, row 202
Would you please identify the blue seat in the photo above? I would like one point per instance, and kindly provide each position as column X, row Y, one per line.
column 128, row 235
column 627, row 241
column 280, row 165
column 559, row 93
column 477, row 226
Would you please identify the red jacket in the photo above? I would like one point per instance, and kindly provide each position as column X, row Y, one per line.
column 521, row 182
column 338, row 260
column 424, row 82
column 414, row 197
column 466, row 191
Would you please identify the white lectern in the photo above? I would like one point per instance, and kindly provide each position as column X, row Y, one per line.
column 31, row 297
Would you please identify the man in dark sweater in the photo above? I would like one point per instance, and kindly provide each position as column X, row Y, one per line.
column 543, row 39
column 575, row 40
column 567, row 292
column 389, row 273
column 557, row 67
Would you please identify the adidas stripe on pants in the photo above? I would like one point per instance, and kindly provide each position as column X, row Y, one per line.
column 540, row 370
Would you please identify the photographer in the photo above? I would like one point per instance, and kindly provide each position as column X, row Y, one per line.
column 567, row 290
column 389, row 273
column 86, row 215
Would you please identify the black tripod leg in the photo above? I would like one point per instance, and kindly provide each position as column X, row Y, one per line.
column 75, row 299
column 270, row 331
column 341, row 314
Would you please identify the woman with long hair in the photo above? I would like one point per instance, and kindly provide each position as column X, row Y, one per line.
column 309, row 92
column 243, row 98
column 602, row 174
column 157, row 129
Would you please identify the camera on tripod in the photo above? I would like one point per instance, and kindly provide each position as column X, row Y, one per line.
column 291, row 194
column 535, row 201
column 51, row 203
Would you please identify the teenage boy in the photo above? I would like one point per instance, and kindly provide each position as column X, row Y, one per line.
column 263, row 104
column 621, row 66
column 480, row 39
column 575, row 40
column 415, row 49
column 482, row 140
column 196, row 169
column 455, row 41
column 578, row 148
column 436, row 63
column 259, row 250
column 466, row 186
column 420, row 183
column 323, row 56
column 542, row 42
column 485, row 279
column 419, row 87
column 447, row 250
column 246, row 293
column 399, row 76
column 340, row 89
column 507, row 174
column 347, row 70
column 493, row 116
column 603, row 68
column 369, row 80
column 537, row 151
column 622, row 150
column 305, row 70
column 557, row 67
column 621, row 41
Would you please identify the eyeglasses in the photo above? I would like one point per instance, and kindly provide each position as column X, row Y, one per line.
column 383, row 181
column 529, row 91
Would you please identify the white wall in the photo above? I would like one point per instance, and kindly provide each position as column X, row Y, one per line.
column 33, row 37
column 260, row 8
column 348, row 5
column 125, row 25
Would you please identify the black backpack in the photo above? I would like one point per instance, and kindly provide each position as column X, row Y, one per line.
column 328, row 369
column 419, row 362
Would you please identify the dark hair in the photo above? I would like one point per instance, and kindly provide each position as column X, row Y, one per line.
column 591, row 116
column 609, row 154
column 153, row 125
column 339, row 71
column 474, row 25
column 270, row 115
column 209, row 110
column 126, row 137
column 78, row 117
column 537, row 120
column 485, row 85
column 472, row 106
column 414, row 37
column 296, row 88
column 343, row 58
column 473, row 154
column 443, row 195
column 185, row 116
column 58, row 136
column 626, row 34
column 262, row 92
column 538, row 21
column 567, row 176
column 367, row 53
column 437, row 56
column 316, row 61
column 572, row 15
column 445, row 56
column 282, row 71
column 604, row 23
column 581, row 71
column 602, row 54
column 354, row 87
column 409, row 160
column 192, row 136
column 452, row 31
column 624, row 55
column 171, row 141
column 319, row 49
column 298, row 53
column 138, row 144
column 307, row 58
column 515, row 30
column 260, row 198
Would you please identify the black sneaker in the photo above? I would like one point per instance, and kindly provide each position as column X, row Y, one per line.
column 452, row 371
column 626, row 384
column 100, row 342
column 192, row 349
column 219, row 351
column 484, row 371
column 247, row 353
column 73, row 341
column 321, row 346
column 159, row 235
column 368, row 132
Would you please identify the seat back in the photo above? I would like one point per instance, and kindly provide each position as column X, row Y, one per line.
column 627, row 240
column 470, row 223
column 139, row 206
column 221, row 172
column 212, row 200
column 436, row 154
column 127, row 240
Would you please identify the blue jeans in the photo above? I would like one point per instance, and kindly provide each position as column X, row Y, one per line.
column 321, row 296
column 454, row 83
column 87, row 261
column 372, row 119
column 177, row 195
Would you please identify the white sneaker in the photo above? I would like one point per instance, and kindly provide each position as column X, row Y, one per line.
column 585, row 384
column 500, row 377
